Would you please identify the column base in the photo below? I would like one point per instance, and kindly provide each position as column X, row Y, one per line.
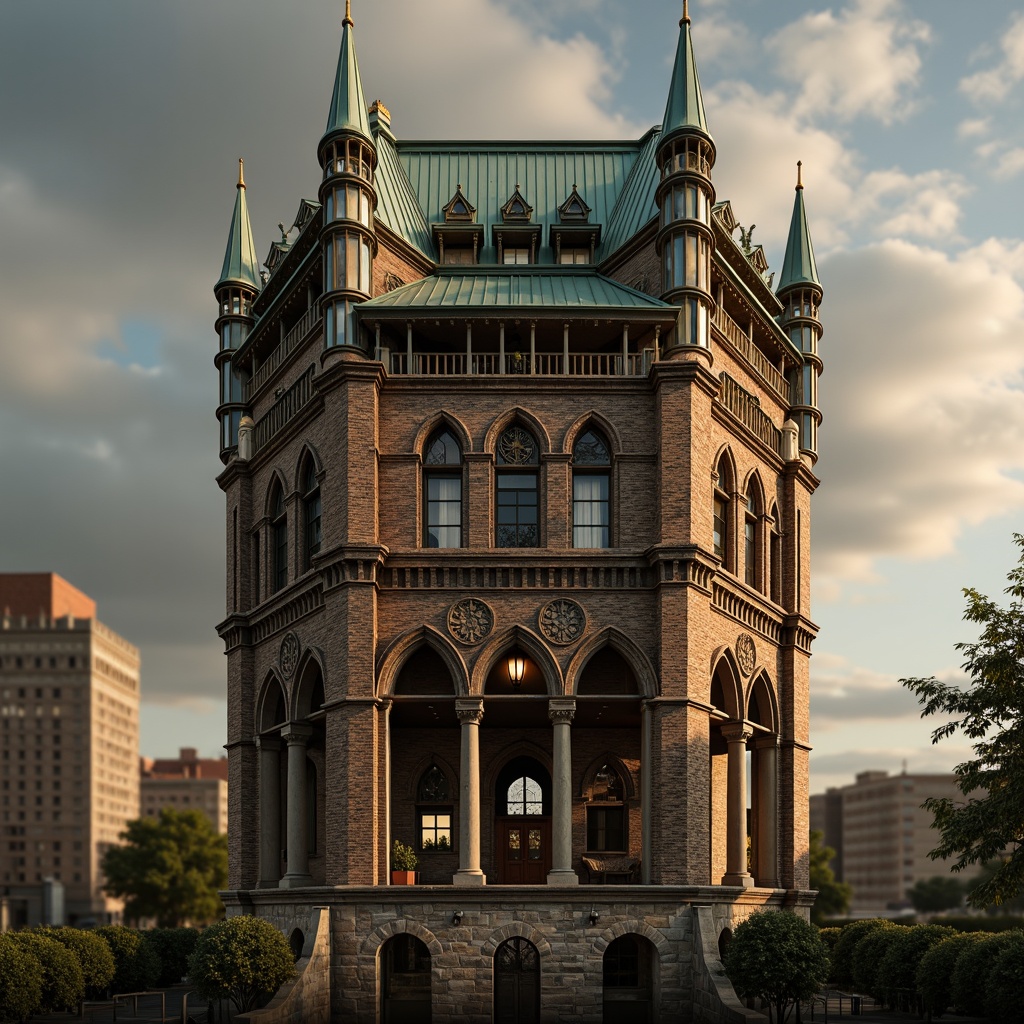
column 562, row 877
column 268, row 883
column 291, row 881
column 469, row 877
column 744, row 880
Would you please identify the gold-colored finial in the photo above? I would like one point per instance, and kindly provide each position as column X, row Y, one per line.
column 348, row 13
column 799, row 174
column 685, row 20
column 241, row 174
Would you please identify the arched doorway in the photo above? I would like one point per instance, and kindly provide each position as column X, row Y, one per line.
column 516, row 982
column 522, row 802
column 405, row 993
column 628, row 983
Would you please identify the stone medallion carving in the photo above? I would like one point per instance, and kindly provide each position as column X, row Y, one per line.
column 746, row 653
column 562, row 621
column 289, row 656
column 470, row 621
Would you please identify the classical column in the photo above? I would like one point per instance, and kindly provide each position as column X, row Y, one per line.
column 270, row 811
column 767, row 869
column 297, row 849
column 736, row 873
column 646, row 775
column 560, row 711
column 470, row 711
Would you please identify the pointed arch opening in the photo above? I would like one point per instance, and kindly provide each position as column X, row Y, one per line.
column 443, row 475
column 591, row 490
column 724, row 484
column 312, row 510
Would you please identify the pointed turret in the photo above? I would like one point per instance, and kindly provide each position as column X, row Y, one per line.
column 348, row 156
column 685, row 196
column 801, row 293
column 237, row 288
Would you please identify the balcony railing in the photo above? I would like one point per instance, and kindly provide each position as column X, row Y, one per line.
column 552, row 364
column 284, row 347
column 739, row 340
column 284, row 410
column 746, row 408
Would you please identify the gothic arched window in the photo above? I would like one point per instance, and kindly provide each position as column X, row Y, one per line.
column 312, row 513
column 591, row 492
column 279, row 538
column 442, row 491
column 517, row 519
column 723, row 488
column 750, row 539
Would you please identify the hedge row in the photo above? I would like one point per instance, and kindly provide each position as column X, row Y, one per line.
column 931, row 968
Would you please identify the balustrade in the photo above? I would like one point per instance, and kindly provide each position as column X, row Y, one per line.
column 739, row 341
column 283, row 410
column 284, row 348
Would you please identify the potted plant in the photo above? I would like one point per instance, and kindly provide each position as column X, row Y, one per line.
column 403, row 864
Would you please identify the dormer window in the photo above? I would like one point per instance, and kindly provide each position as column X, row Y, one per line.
column 574, row 238
column 515, row 238
column 459, row 239
column 459, row 208
column 574, row 209
column 517, row 210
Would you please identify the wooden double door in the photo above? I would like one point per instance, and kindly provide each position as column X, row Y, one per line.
column 524, row 849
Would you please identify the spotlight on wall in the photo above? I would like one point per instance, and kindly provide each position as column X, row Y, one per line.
column 516, row 665
column 457, row 917
column 594, row 915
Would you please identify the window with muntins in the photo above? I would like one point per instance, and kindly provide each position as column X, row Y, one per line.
column 591, row 492
column 442, row 490
column 750, row 540
column 517, row 498
column 279, row 531
column 313, row 510
column 524, row 798
column 721, row 512
column 434, row 810
column 606, row 812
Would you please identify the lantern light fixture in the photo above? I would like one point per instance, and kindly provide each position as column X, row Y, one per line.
column 516, row 665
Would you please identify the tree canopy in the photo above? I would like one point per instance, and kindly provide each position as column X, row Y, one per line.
column 833, row 897
column 940, row 892
column 989, row 711
column 169, row 868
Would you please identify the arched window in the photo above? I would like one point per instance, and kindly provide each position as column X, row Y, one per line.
column 628, row 980
column 312, row 510
column 279, row 538
column 442, row 491
column 723, row 486
column 405, row 989
column 524, row 798
column 517, row 513
column 591, row 492
column 750, row 516
column 606, row 812
column 434, row 810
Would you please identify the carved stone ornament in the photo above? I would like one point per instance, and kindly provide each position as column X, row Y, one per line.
column 289, row 656
column 470, row 621
column 562, row 621
column 746, row 653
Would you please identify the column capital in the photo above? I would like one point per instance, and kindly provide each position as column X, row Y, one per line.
column 296, row 733
column 268, row 743
column 469, row 709
column 735, row 731
column 769, row 742
column 561, row 709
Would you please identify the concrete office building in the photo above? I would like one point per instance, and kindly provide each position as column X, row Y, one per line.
column 186, row 783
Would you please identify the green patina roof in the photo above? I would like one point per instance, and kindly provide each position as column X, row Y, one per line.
column 635, row 205
column 798, row 266
column 493, row 289
column 240, row 261
column 348, row 108
column 397, row 205
column 685, row 107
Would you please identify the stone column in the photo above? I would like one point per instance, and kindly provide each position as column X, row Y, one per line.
column 767, row 868
column 297, row 849
column 736, row 873
column 646, row 774
column 470, row 711
column 560, row 711
column 270, row 811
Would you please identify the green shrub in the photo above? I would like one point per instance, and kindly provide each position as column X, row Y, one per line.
column 868, row 957
column 970, row 976
column 62, row 984
column 403, row 858
column 830, row 936
column 899, row 968
column 976, row 923
column 776, row 956
column 935, row 971
column 173, row 946
column 244, row 959
column 136, row 965
column 842, row 953
column 1006, row 981
column 21, row 981
column 93, row 954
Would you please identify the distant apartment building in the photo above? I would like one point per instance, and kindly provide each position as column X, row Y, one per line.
column 69, row 751
column 881, row 834
column 186, row 783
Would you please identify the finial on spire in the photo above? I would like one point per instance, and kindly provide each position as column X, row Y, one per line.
column 347, row 20
column 685, row 19
column 799, row 175
column 241, row 175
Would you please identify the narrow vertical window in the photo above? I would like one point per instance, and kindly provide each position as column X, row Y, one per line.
column 256, row 568
column 750, row 540
column 442, row 490
column 723, row 483
column 775, row 555
column 591, row 492
column 313, row 510
column 518, row 524
column 279, row 532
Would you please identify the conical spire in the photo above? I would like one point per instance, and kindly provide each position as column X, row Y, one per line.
column 240, row 262
column 348, row 108
column 685, row 107
column 799, row 266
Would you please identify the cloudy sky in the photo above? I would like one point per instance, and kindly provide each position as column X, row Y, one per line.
column 122, row 121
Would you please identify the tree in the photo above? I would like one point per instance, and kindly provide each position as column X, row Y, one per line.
column 934, row 975
column 21, row 980
column 62, row 982
column 940, row 892
column 93, row 953
column 136, row 964
column 169, row 868
column 244, row 959
column 990, row 711
column 833, row 898
column 776, row 956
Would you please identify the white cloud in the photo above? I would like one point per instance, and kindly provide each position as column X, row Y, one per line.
column 925, row 205
column 863, row 62
column 1009, row 164
column 973, row 127
column 995, row 83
